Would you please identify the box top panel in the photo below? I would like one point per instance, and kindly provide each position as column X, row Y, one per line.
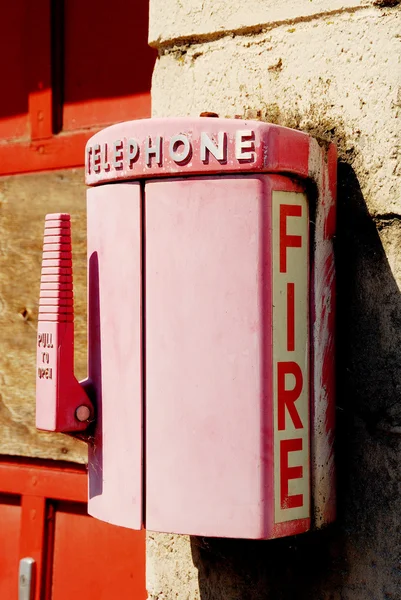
column 169, row 147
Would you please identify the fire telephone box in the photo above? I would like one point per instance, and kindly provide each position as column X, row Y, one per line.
column 210, row 390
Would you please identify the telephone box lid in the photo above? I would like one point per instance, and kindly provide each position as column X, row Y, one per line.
column 170, row 147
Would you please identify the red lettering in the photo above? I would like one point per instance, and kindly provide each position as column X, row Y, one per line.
column 286, row 240
column 290, row 317
column 287, row 473
column 287, row 398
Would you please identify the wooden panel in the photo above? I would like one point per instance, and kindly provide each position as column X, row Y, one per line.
column 95, row 560
column 14, row 96
column 108, row 63
column 10, row 515
column 24, row 202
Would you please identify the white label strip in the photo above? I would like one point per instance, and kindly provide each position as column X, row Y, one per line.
column 290, row 220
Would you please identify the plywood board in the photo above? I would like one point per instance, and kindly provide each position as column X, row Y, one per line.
column 24, row 201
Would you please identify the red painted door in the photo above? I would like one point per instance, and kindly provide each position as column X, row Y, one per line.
column 43, row 516
column 10, row 519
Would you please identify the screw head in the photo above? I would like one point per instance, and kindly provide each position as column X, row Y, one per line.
column 83, row 413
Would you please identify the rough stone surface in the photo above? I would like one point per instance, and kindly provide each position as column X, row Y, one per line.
column 170, row 572
column 339, row 79
column 337, row 76
column 24, row 202
column 176, row 19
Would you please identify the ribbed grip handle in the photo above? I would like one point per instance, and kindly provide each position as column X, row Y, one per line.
column 61, row 402
column 56, row 301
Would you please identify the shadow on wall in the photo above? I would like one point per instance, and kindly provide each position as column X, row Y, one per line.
column 358, row 557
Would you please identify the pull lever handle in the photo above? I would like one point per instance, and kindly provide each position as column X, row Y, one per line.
column 61, row 402
column 26, row 582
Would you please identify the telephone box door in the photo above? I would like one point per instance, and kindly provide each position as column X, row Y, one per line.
column 115, row 352
column 227, row 356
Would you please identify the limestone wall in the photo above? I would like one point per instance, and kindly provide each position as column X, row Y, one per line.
column 331, row 68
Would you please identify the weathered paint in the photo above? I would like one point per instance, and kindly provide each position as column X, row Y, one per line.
column 323, row 170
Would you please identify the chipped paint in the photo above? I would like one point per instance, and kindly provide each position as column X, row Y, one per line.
column 322, row 452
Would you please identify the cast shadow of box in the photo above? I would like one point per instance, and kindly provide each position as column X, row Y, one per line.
column 357, row 557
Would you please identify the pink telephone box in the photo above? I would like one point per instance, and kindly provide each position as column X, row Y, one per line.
column 210, row 391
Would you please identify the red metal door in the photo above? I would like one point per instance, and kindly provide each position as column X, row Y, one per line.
column 43, row 515
column 10, row 519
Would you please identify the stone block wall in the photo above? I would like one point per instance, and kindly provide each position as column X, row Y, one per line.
column 332, row 69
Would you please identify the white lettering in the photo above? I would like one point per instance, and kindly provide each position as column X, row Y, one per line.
column 208, row 146
column 175, row 142
column 118, row 154
column 155, row 151
column 104, row 162
column 133, row 152
column 96, row 158
column 245, row 145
